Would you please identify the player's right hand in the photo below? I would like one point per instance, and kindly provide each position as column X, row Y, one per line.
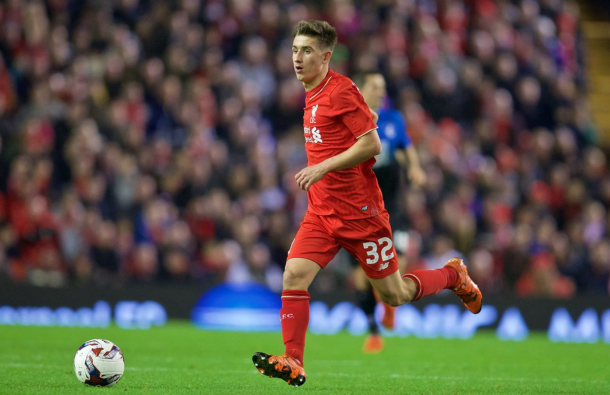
column 309, row 176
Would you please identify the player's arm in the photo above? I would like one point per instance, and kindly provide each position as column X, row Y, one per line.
column 366, row 147
column 407, row 156
column 409, row 159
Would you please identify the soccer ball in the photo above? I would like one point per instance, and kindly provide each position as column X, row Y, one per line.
column 99, row 362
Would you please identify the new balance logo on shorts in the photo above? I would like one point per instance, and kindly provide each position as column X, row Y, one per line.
column 315, row 135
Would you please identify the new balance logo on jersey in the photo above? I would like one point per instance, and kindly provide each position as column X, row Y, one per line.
column 384, row 266
column 313, row 114
column 315, row 135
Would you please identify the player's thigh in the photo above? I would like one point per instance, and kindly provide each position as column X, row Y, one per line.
column 370, row 242
column 312, row 249
column 299, row 273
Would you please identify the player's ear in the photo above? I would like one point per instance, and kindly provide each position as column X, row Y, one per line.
column 327, row 56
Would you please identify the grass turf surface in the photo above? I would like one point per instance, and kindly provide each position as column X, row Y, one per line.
column 179, row 358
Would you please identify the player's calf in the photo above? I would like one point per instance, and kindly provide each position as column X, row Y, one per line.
column 394, row 290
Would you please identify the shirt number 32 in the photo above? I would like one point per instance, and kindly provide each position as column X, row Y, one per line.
column 371, row 248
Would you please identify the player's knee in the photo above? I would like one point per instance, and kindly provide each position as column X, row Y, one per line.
column 398, row 298
column 293, row 279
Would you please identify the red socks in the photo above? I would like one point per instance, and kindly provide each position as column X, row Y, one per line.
column 294, row 316
column 430, row 282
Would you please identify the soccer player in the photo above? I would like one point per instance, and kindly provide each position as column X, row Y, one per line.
column 345, row 205
column 397, row 154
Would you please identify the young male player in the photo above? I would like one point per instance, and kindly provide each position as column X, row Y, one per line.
column 397, row 154
column 345, row 205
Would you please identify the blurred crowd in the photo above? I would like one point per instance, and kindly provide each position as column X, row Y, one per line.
column 150, row 140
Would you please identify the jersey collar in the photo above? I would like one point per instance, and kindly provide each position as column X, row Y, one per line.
column 315, row 91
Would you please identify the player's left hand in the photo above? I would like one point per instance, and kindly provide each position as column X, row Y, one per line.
column 309, row 176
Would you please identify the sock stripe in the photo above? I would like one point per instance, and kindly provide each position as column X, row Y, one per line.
column 295, row 294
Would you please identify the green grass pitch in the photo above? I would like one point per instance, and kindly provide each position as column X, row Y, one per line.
column 180, row 359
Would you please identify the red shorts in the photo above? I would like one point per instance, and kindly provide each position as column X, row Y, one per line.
column 369, row 240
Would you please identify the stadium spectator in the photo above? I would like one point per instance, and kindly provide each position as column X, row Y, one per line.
column 113, row 107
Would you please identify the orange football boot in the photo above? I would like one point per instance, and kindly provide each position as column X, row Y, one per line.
column 373, row 344
column 465, row 288
column 281, row 366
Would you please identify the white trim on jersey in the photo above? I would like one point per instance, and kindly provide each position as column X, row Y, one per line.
column 318, row 92
column 365, row 133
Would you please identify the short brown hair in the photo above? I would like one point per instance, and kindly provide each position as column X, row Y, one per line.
column 320, row 30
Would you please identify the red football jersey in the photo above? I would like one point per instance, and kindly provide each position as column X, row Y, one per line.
column 335, row 116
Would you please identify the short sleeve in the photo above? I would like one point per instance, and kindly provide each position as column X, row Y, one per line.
column 349, row 106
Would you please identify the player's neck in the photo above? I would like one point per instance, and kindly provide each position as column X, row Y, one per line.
column 316, row 81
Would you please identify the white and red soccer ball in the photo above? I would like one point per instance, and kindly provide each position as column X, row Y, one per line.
column 99, row 362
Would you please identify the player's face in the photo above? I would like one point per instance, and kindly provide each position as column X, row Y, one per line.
column 309, row 60
column 373, row 90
